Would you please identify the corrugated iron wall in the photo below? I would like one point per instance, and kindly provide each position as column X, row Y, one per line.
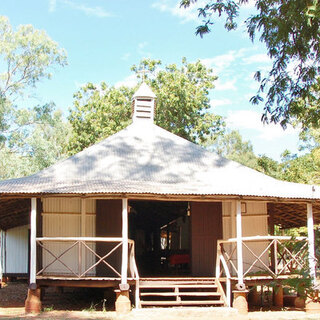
column 62, row 218
column 254, row 223
column 2, row 252
column 16, row 251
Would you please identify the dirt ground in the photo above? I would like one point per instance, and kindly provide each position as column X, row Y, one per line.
column 89, row 304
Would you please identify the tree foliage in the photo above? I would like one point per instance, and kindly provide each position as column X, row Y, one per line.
column 290, row 31
column 98, row 112
column 306, row 167
column 182, row 105
column 27, row 56
column 231, row 146
column 30, row 139
column 37, row 139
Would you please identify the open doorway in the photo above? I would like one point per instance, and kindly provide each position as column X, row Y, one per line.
column 161, row 231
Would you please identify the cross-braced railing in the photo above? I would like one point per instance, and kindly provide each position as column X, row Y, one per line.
column 264, row 255
column 78, row 256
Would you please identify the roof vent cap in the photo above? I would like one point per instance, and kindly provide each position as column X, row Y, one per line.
column 143, row 104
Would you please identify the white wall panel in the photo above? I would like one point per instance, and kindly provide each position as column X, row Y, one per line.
column 91, row 206
column 16, row 250
column 90, row 232
column 62, row 205
column 62, row 218
column 2, row 252
column 254, row 223
column 255, row 226
column 61, row 225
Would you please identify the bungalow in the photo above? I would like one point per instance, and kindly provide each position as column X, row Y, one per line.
column 147, row 209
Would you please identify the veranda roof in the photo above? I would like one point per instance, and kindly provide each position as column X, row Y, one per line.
column 146, row 159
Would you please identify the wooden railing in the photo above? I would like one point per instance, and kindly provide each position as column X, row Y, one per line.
column 221, row 262
column 75, row 250
column 263, row 255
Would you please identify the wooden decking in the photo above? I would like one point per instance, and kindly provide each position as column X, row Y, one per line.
column 84, row 282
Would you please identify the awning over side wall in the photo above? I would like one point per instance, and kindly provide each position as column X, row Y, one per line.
column 14, row 212
column 292, row 215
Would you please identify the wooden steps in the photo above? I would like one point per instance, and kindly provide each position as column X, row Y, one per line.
column 179, row 292
column 168, row 294
column 182, row 303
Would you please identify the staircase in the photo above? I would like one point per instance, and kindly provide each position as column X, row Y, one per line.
column 167, row 292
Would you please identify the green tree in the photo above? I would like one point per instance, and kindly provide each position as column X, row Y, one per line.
column 183, row 99
column 182, row 105
column 269, row 167
column 27, row 56
column 231, row 146
column 98, row 112
column 306, row 167
column 29, row 139
column 37, row 139
column 290, row 31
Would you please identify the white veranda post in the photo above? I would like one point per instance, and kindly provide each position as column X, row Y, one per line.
column 124, row 266
column 1, row 255
column 312, row 259
column 33, row 245
column 239, row 243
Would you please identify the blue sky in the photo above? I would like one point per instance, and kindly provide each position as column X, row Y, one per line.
column 104, row 38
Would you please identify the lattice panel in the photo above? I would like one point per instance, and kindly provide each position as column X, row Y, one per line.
column 292, row 215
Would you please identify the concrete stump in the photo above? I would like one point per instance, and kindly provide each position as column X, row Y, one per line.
column 123, row 303
column 240, row 301
column 33, row 301
column 278, row 296
column 299, row 302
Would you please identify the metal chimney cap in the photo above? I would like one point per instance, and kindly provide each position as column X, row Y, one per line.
column 144, row 91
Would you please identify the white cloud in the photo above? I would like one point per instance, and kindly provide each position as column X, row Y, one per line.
column 130, row 81
column 220, row 63
column 142, row 45
column 248, row 119
column 173, row 7
column 219, row 102
column 225, row 61
column 126, row 56
column 227, row 85
column 250, row 4
column 141, row 49
column 89, row 11
column 257, row 58
column 52, row 5
column 79, row 85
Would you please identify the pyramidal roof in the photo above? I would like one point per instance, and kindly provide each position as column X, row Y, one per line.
column 150, row 160
column 146, row 159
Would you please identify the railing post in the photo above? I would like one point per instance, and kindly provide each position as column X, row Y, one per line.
column 218, row 260
column 275, row 242
column 82, row 250
column 1, row 256
column 33, row 244
column 312, row 260
column 239, row 244
column 124, row 265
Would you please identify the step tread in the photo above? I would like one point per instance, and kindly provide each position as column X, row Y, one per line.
column 181, row 303
column 173, row 294
column 177, row 285
column 180, row 279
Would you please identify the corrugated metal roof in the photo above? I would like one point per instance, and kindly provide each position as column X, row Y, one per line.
column 146, row 159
